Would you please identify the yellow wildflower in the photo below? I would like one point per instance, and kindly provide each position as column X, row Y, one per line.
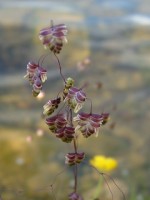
column 104, row 163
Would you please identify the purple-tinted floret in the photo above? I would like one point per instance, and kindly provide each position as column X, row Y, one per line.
column 75, row 98
column 54, row 37
column 89, row 123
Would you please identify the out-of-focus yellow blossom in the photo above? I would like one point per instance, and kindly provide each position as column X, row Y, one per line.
column 104, row 163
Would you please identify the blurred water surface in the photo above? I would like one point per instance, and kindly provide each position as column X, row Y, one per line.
column 115, row 35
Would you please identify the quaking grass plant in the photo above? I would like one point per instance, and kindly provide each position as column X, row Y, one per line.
column 67, row 123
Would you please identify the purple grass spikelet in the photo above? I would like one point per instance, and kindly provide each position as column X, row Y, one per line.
column 66, row 122
column 74, row 158
column 75, row 98
column 36, row 75
column 54, row 37
column 51, row 106
column 88, row 123
column 75, row 196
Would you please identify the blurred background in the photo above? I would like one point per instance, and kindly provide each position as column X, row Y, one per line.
column 114, row 37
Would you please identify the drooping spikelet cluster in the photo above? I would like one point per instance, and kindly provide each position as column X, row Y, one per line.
column 75, row 98
column 51, row 105
column 54, row 37
column 75, row 196
column 89, row 123
column 36, row 75
column 62, row 124
column 74, row 158
column 66, row 122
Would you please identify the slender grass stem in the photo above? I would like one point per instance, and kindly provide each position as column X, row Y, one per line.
column 60, row 68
